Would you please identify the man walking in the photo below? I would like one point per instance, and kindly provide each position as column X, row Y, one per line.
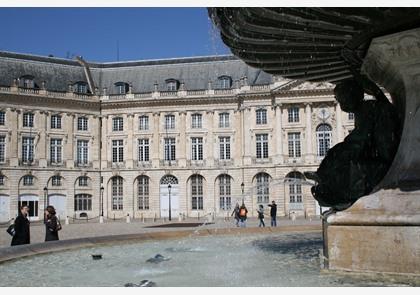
column 22, row 233
column 273, row 213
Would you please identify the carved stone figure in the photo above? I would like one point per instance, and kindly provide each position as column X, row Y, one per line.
column 352, row 168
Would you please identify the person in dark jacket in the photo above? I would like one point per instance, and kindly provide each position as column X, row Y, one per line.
column 22, row 232
column 52, row 224
column 236, row 213
column 273, row 213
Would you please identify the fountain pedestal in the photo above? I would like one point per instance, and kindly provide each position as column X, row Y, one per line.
column 381, row 232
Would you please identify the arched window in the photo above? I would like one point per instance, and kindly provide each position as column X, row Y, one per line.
column 169, row 179
column 294, row 180
column 323, row 139
column 197, row 192
column 121, row 87
column 27, row 81
column 117, row 193
column 172, row 84
column 263, row 188
column 143, row 192
column 225, row 192
column 80, row 87
column 225, row 82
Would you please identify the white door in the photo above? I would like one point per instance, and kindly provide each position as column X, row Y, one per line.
column 164, row 201
column 59, row 203
column 32, row 202
column 4, row 208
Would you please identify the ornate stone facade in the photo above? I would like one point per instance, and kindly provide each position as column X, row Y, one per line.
column 211, row 140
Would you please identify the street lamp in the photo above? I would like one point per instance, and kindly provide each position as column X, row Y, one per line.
column 102, row 201
column 242, row 190
column 169, row 190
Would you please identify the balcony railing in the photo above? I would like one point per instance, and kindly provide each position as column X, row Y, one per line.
column 265, row 87
column 28, row 90
column 223, row 91
column 168, row 163
column 196, row 92
column 56, row 93
column 168, row 93
column 4, row 89
column 196, row 163
column 143, row 95
column 118, row 96
column 83, row 165
column 144, row 164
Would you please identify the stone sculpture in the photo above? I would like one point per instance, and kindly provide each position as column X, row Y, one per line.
column 352, row 168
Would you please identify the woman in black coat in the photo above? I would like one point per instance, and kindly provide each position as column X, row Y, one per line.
column 52, row 224
column 22, row 233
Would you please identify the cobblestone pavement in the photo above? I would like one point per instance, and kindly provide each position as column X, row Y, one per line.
column 95, row 229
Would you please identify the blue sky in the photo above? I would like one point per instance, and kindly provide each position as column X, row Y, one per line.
column 142, row 33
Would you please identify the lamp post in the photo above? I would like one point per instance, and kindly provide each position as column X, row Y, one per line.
column 101, row 218
column 242, row 190
column 45, row 200
column 169, row 190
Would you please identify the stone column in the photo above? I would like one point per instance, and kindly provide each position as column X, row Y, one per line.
column 208, row 141
column 246, row 135
column 41, row 144
column 129, row 157
column 278, row 134
column 183, row 150
column 381, row 231
column 309, row 155
column 69, row 148
column 340, row 135
column 104, row 148
column 155, row 153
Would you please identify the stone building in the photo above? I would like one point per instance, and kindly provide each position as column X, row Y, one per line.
column 120, row 137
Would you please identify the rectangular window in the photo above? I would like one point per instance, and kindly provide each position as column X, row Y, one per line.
column 143, row 123
column 118, row 124
column 117, row 151
column 351, row 116
column 171, row 86
column 169, row 149
column 224, row 120
column 28, row 180
column 294, row 144
column 55, row 150
column 82, row 124
column 55, row 122
column 196, row 148
column 2, row 149
column 224, row 147
column 295, row 192
column 28, row 120
column 82, row 152
column 2, row 118
column 1, row 180
column 143, row 150
column 261, row 115
column 56, row 181
column 225, row 192
column 117, row 193
column 196, row 121
column 293, row 114
column 27, row 149
column 169, row 122
column 83, row 181
column 262, row 146
column 82, row 202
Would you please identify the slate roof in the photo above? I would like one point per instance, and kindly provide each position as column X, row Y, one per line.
column 195, row 72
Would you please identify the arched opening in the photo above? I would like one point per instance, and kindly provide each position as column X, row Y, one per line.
column 117, row 193
column 169, row 194
column 262, row 185
column 196, row 183
column 143, row 197
column 224, row 183
column 294, row 181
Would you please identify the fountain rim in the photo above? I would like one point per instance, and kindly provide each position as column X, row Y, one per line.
column 10, row 254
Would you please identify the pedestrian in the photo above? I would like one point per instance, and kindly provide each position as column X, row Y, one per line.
column 261, row 216
column 52, row 224
column 242, row 215
column 236, row 213
column 273, row 213
column 21, row 226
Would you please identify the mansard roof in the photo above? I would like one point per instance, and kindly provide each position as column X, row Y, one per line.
column 194, row 72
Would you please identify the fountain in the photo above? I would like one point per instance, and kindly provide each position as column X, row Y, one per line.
column 380, row 231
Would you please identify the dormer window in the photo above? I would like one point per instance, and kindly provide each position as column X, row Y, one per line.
column 121, row 87
column 81, row 87
column 27, row 81
column 172, row 84
column 225, row 82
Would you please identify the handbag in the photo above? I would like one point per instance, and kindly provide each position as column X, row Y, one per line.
column 11, row 230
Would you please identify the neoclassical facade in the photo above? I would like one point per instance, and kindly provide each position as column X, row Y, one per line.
column 135, row 138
